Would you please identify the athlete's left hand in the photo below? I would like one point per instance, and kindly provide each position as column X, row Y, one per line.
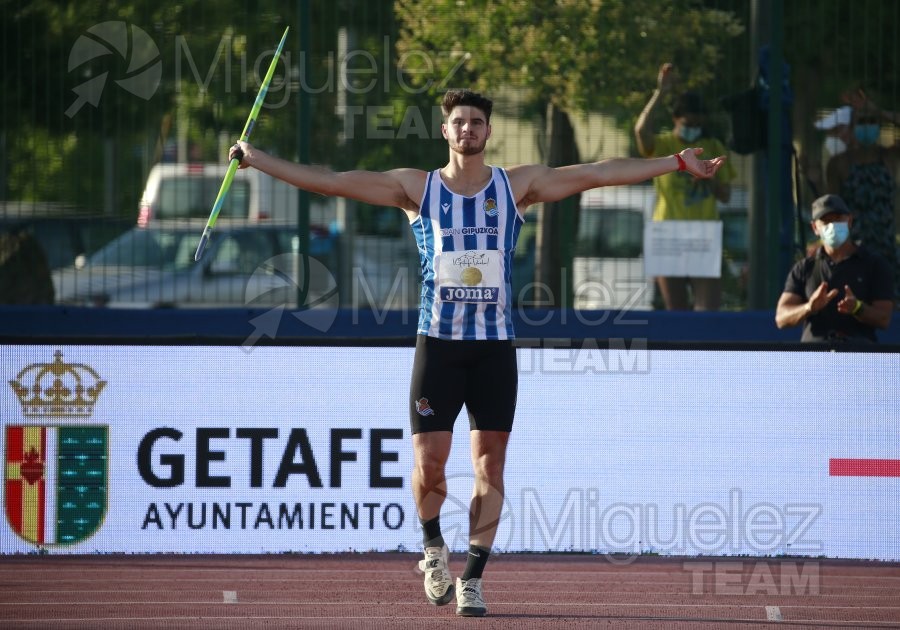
column 701, row 168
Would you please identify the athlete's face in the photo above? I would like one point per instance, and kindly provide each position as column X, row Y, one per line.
column 466, row 130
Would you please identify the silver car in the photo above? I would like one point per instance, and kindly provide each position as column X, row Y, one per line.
column 246, row 264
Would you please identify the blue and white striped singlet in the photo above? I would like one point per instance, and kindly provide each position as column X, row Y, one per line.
column 464, row 231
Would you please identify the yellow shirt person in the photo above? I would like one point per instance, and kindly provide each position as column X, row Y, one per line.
column 682, row 197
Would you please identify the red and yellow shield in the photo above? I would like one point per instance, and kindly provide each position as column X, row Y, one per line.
column 56, row 482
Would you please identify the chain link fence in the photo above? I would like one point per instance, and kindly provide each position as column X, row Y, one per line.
column 117, row 118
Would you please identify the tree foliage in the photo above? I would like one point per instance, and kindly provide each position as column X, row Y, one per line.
column 579, row 55
column 212, row 58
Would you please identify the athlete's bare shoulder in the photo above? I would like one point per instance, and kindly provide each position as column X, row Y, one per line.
column 412, row 182
column 521, row 178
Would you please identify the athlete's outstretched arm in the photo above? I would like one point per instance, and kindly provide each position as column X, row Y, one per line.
column 537, row 183
column 389, row 188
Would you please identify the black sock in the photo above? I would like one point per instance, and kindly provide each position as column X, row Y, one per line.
column 475, row 561
column 431, row 532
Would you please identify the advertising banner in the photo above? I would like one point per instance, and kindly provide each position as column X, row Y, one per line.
column 174, row 449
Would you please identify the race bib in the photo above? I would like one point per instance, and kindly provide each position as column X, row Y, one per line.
column 472, row 276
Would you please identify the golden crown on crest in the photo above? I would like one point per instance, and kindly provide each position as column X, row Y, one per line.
column 58, row 388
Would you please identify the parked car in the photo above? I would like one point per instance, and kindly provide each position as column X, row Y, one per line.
column 380, row 260
column 247, row 264
column 63, row 233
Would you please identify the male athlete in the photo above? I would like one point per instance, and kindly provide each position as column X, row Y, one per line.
column 466, row 218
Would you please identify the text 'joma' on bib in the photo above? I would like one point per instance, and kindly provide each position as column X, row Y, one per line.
column 469, row 276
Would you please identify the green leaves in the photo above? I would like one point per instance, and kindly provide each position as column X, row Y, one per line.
column 586, row 55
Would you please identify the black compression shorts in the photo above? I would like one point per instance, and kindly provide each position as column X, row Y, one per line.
column 447, row 374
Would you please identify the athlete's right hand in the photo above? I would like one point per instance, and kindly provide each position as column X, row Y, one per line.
column 240, row 151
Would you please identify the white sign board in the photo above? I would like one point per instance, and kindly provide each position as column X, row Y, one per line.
column 683, row 249
column 307, row 449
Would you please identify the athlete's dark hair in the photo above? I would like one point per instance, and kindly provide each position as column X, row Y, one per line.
column 454, row 98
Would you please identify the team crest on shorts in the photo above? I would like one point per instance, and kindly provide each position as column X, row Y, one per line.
column 56, row 464
column 490, row 207
column 423, row 408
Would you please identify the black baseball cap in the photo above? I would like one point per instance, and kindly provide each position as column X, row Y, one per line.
column 828, row 204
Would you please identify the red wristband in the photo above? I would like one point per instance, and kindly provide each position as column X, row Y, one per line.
column 682, row 165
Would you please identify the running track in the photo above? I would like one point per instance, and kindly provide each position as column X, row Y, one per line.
column 384, row 591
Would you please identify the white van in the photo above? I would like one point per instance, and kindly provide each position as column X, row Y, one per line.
column 608, row 265
column 188, row 191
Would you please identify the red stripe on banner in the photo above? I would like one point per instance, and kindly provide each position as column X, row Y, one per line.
column 864, row 467
column 14, row 504
column 14, row 439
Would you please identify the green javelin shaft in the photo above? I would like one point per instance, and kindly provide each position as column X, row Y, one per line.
column 245, row 136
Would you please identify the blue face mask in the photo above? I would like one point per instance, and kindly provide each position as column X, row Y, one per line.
column 867, row 134
column 689, row 134
column 834, row 234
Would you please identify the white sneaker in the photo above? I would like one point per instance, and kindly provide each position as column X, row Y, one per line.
column 469, row 600
column 438, row 582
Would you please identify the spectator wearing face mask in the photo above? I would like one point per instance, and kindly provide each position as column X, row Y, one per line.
column 679, row 195
column 863, row 176
column 843, row 292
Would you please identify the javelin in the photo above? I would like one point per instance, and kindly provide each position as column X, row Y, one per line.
column 235, row 162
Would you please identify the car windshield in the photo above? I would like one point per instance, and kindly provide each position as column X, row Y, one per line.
column 148, row 247
column 610, row 233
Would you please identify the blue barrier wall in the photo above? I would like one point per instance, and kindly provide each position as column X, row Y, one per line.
column 262, row 325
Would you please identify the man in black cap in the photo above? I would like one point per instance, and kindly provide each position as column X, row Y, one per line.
column 841, row 293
